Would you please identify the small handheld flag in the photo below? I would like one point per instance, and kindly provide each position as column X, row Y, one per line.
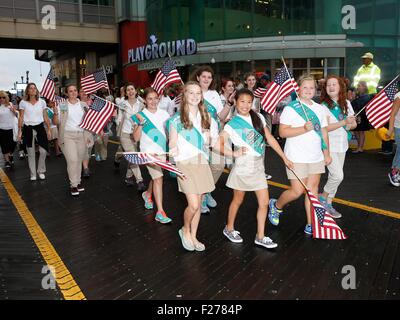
column 167, row 75
column 100, row 112
column 49, row 88
column 94, row 81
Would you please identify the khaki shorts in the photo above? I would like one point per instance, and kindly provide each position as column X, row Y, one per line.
column 304, row 170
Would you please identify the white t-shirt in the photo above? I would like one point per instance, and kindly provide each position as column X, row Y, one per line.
column 213, row 97
column 185, row 149
column 7, row 118
column 305, row 148
column 159, row 118
column 338, row 139
column 397, row 117
column 237, row 140
column 75, row 117
column 33, row 114
column 167, row 105
column 127, row 126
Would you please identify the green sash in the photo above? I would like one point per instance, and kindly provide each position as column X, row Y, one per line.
column 296, row 106
column 152, row 131
column 50, row 113
column 248, row 134
column 337, row 112
column 213, row 112
column 193, row 136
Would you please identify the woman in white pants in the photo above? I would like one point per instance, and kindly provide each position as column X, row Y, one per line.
column 73, row 140
column 341, row 120
column 33, row 115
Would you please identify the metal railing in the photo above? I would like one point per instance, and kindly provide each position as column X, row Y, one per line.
column 66, row 11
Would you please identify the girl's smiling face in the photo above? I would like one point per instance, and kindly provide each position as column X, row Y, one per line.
column 193, row 95
column 152, row 101
column 72, row 92
column 243, row 104
column 131, row 92
column 333, row 87
column 205, row 79
column 251, row 82
column 307, row 89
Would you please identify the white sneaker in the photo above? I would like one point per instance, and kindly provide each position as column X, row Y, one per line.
column 266, row 242
column 210, row 200
column 42, row 176
column 268, row 176
column 33, row 178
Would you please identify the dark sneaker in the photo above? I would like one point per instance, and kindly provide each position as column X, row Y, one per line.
column 233, row 235
column 21, row 155
column 141, row 186
column 8, row 164
column 265, row 242
column 130, row 182
column 86, row 173
column 74, row 192
column 393, row 179
column 116, row 164
column 80, row 188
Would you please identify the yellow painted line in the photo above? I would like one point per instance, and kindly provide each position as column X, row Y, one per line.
column 356, row 205
column 69, row 288
column 113, row 142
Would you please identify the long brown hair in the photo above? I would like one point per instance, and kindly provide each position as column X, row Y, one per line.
column 197, row 73
column 342, row 94
column 255, row 119
column 184, row 113
column 26, row 96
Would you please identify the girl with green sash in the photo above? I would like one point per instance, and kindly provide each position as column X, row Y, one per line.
column 149, row 130
column 192, row 132
column 204, row 75
column 303, row 123
column 341, row 120
column 248, row 133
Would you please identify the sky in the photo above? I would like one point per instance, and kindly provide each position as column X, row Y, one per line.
column 15, row 63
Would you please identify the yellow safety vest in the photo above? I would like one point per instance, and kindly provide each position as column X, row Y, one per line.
column 371, row 74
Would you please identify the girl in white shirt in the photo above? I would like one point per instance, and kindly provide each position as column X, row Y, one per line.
column 204, row 75
column 394, row 126
column 303, row 123
column 129, row 107
column 192, row 131
column 32, row 117
column 166, row 104
column 8, row 116
column 340, row 117
column 150, row 132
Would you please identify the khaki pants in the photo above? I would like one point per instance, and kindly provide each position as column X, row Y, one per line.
column 74, row 150
column 129, row 146
column 100, row 146
column 336, row 175
column 32, row 157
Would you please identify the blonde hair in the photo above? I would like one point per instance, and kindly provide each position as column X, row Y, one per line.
column 306, row 77
column 4, row 94
column 205, row 117
column 26, row 95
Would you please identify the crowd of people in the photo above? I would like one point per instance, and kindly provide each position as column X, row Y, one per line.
column 202, row 130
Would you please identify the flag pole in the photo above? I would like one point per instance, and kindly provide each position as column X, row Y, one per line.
column 374, row 97
column 105, row 75
column 287, row 70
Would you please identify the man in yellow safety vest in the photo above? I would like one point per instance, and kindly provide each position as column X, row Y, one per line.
column 368, row 72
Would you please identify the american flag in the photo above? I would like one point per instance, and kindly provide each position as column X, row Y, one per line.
column 259, row 92
column 98, row 115
column 282, row 86
column 324, row 227
column 49, row 88
column 94, row 82
column 379, row 108
column 167, row 75
column 141, row 158
column 59, row 100
column 178, row 99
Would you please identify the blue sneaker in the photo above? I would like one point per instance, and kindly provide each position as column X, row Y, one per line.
column 308, row 229
column 98, row 158
column 274, row 212
column 148, row 202
column 162, row 217
column 210, row 200
column 204, row 208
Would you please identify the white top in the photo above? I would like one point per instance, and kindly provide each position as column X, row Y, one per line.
column 159, row 118
column 167, row 105
column 75, row 117
column 7, row 118
column 305, row 148
column 33, row 114
column 238, row 141
column 125, row 116
column 338, row 140
column 213, row 97
column 119, row 100
column 186, row 150
column 397, row 117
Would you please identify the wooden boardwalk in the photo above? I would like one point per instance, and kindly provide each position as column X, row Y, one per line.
column 114, row 249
